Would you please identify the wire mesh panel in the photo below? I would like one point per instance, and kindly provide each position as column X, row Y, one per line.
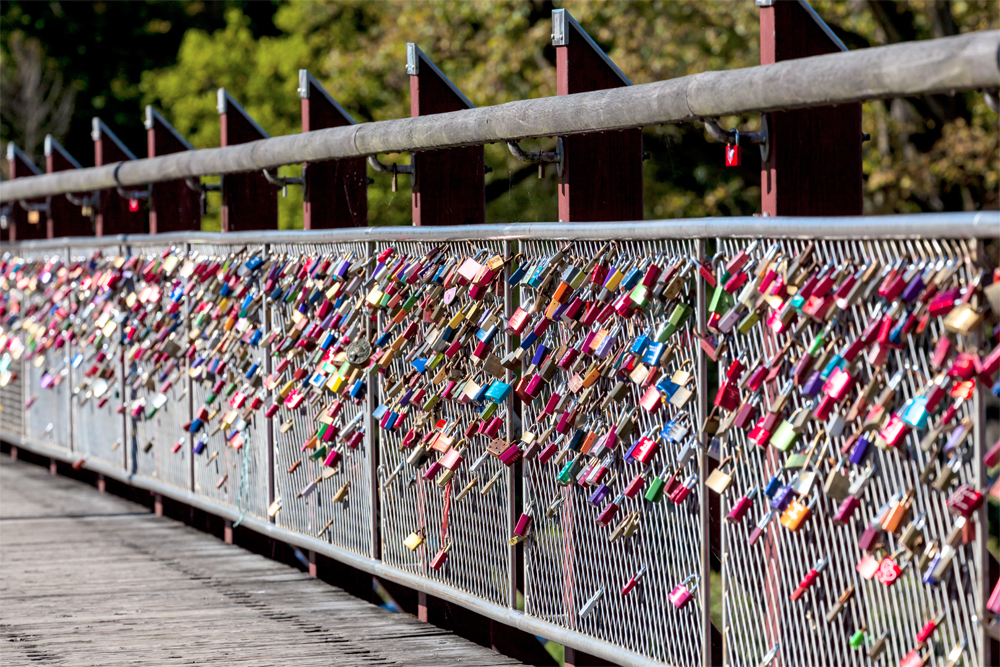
column 576, row 569
column 46, row 357
column 333, row 502
column 155, row 366
column 231, row 433
column 11, row 394
column 432, row 395
column 96, row 408
column 759, row 579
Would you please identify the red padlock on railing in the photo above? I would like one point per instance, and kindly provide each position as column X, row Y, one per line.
column 681, row 595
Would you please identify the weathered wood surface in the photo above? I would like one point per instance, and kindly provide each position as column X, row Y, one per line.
column 91, row 579
column 964, row 62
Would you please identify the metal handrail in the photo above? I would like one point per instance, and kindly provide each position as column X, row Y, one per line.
column 979, row 225
column 964, row 62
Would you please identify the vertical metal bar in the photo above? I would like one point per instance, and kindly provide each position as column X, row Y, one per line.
column 69, row 376
column 703, row 513
column 126, row 445
column 979, row 446
column 514, row 473
column 188, row 383
column 265, row 331
column 371, row 442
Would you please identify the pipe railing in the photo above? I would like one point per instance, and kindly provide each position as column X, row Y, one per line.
column 946, row 65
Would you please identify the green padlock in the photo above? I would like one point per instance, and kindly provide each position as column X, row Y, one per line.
column 640, row 296
column 721, row 301
column 785, row 436
column 858, row 639
column 655, row 491
column 750, row 319
column 489, row 410
column 677, row 318
column 320, row 453
column 568, row 473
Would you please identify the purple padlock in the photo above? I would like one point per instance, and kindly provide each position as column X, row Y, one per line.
column 783, row 498
column 812, row 385
column 859, row 451
column 600, row 493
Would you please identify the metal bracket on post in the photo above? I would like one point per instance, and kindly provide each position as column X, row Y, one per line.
column 394, row 169
column 761, row 138
column 335, row 192
column 284, row 181
column 827, row 178
column 540, row 157
column 116, row 214
column 172, row 208
column 248, row 200
column 449, row 185
column 23, row 222
column 68, row 216
column 607, row 184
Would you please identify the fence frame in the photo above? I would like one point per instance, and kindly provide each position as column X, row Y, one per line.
column 982, row 225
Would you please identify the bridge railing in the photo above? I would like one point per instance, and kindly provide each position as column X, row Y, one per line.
column 139, row 357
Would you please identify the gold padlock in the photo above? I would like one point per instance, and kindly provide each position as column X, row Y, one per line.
column 415, row 539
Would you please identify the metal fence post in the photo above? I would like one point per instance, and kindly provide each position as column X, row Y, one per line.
column 173, row 206
column 607, row 181
column 65, row 218
column 115, row 214
column 814, row 163
column 448, row 185
column 703, row 500
column 248, row 200
column 265, row 332
column 334, row 192
column 19, row 221
column 514, row 564
column 371, row 440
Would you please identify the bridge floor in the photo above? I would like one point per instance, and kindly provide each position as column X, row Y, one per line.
column 92, row 579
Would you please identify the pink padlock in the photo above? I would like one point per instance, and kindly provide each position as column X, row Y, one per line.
column 634, row 581
column 681, row 595
column 741, row 507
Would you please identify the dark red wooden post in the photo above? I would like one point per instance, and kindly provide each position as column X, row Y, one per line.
column 602, row 173
column 248, row 201
column 19, row 222
column 815, row 159
column 335, row 192
column 65, row 217
column 448, row 185
column 173, row 206
column 114, row 214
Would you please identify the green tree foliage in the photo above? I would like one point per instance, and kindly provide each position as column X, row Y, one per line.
column 101, row 50
column 935, row 153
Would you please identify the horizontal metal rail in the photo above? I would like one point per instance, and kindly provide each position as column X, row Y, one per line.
column 965, row 62
column 981, row 224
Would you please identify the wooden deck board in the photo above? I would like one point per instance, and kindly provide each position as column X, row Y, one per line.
column 92, row 579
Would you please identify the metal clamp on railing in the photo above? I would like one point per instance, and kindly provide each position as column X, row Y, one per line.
column 34, row 210
column 87, row 203
column 556, row 157
column 734, row 136
column 394, row 169
column 202, row 188
column 131, row 195
column 284, row 181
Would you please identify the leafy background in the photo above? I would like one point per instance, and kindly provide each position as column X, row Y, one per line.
column 63, row 63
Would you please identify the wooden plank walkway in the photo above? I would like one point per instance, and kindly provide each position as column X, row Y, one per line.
column 92, row 579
